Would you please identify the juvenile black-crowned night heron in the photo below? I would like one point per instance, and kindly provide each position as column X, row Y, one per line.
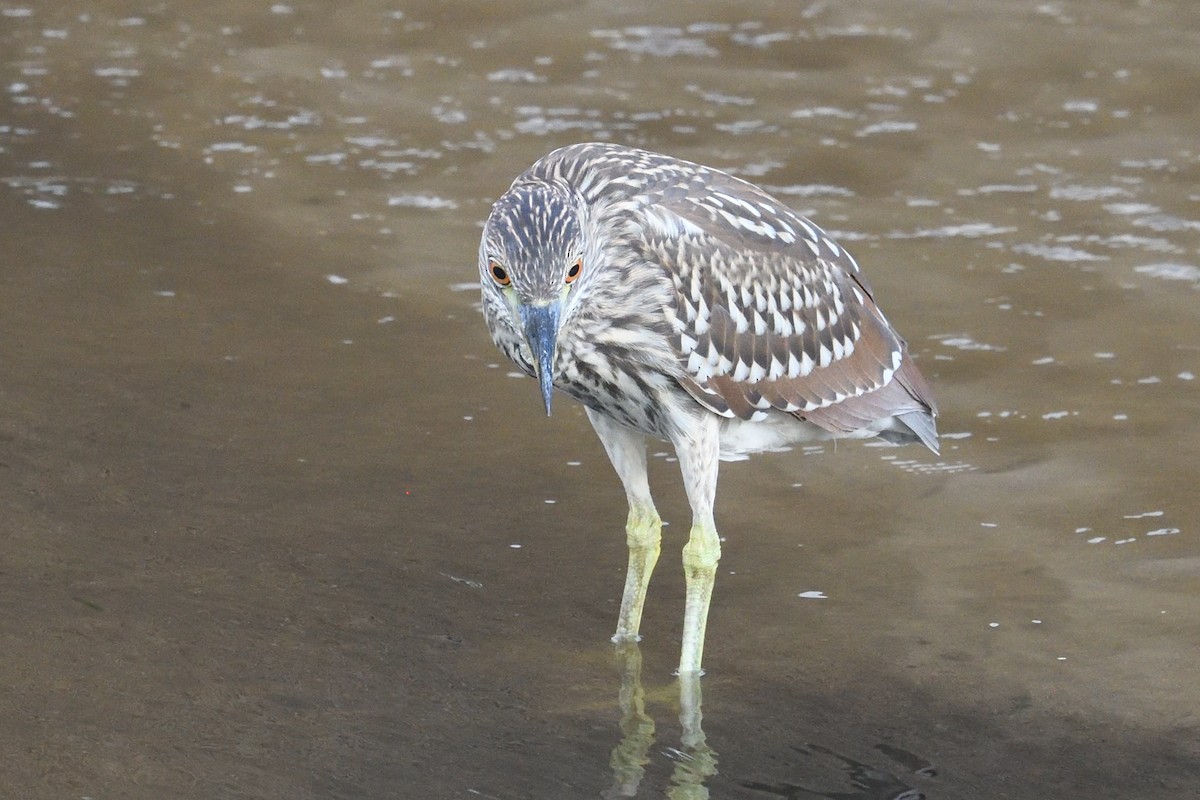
column 677, row 301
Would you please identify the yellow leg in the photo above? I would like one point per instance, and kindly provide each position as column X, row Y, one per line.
column 643, row 533
column 626, row 450
column 698, row 450
column 700, row 556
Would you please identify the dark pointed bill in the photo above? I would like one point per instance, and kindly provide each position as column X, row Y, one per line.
column 541, row 332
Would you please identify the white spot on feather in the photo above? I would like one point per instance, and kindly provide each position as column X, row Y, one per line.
column 806, row 364
column 748, row 207
column 699, row 367
column 838, row 352
column 793, row 367
column 808, row 229
column 739, row 319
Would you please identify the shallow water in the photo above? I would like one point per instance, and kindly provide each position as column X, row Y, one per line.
column 279, row 522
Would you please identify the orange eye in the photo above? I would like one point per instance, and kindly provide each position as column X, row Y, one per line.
column 500, row 275
column 574, row 271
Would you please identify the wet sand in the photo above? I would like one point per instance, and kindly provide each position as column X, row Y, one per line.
column 269, row 534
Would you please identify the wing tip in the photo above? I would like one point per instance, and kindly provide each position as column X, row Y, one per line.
column 923, row 426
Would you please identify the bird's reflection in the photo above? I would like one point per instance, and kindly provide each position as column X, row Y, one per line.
column 695, row 761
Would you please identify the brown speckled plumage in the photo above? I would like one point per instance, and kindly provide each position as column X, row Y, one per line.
column 702, row 311
column 745, row 305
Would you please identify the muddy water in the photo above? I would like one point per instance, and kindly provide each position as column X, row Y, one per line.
column 278, row 523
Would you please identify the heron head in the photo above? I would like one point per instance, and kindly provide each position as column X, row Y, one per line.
column 530, row 257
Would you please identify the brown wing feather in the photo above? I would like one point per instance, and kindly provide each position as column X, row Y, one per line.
column 772, row 314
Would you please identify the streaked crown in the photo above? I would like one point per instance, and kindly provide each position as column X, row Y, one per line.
column 533, row 234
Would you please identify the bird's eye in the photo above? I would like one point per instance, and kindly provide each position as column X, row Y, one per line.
column 500, row 274
column 574, row 271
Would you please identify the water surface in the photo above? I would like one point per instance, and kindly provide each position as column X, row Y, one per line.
column 280, row 523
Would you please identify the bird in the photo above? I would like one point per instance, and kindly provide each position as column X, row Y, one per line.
column 678, row 302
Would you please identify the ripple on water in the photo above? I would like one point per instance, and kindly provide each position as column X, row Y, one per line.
column 1128, row 241
column 1086, row 193
column 888, row 126
column 1129, row 209
column 1057, row 252
column 515, row 76
column 960, row 341
column 742, row 127
column 425, row 201
column 915, row 466
column 967, row 230
column 718, row 98
column 287, row 120
column 1172, row 272
column 539, row 121
column 823, row 111
column 231, row 147
column 655, row 40
column 50, row 192
column 999, row 188
column 1166, row 223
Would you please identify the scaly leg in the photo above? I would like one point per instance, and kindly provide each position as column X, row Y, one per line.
column 626, row 450
column 698, row 448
